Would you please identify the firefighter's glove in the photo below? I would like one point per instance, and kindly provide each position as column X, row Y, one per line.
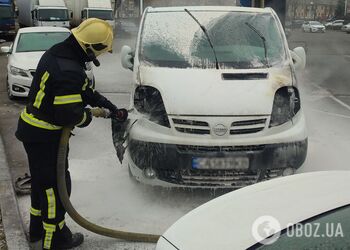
column 121, row 115
column 99, row 112
column 105, row 103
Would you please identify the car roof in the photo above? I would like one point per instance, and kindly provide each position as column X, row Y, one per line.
column 43, row 29
column 210, row 8
column 226, row 222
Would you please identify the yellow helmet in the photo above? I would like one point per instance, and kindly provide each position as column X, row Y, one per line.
column 94, row 34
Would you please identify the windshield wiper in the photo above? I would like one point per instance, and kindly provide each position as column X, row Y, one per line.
column 263, row 39
column 207, row 35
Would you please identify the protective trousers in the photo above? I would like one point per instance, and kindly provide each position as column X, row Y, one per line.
column 46, row 212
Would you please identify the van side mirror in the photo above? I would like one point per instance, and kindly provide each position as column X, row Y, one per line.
column 71, row 15
column 299, row 58
column 32, row 14
column 127, row 57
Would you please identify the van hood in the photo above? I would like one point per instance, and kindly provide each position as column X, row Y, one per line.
column 213, row 92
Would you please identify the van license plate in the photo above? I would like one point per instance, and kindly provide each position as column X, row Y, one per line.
column 241, row 163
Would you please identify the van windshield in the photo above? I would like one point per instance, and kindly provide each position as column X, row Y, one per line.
column 174, row 39
column 53, row 15
column 101, row 14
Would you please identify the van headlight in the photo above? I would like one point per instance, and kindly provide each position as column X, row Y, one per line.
column 18, row 72
column 285, row 105
column 148, row 101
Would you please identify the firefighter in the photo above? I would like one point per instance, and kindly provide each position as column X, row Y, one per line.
column 58, row 97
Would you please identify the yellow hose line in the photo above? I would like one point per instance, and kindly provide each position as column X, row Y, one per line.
column 62, row 190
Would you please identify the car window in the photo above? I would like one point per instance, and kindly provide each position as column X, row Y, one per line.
column 330, row 230
column 174, row 39
column 39, row 41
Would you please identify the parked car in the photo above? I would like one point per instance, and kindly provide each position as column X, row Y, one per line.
column 304, row 211
column 335, row 25
column 346, row 28
column 313, row 26
column 24, row 55
column 226, row 115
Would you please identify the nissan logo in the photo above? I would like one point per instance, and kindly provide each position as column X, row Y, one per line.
column 220, row 129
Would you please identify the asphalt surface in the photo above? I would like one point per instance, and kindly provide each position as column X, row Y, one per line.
column 328, row 60
column 328, row 57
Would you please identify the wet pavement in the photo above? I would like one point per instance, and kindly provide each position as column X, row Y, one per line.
column 328, row 60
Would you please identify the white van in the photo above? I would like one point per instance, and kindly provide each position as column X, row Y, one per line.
column 216, row 96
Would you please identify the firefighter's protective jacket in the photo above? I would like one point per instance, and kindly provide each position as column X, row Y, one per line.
column 59, row 93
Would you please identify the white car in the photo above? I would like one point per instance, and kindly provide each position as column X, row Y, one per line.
column 24, row 55
column 335, row 25
column 313, row 26
column 304, row 211
column 346, row 28
column 214, row 107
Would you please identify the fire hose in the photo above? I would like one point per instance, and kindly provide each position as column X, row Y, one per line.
column 63, row 193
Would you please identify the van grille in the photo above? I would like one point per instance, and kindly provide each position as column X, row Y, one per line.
column 192, row 126
column 239, row 126
column 215, row 178
column 247, row 126
column 244, row 76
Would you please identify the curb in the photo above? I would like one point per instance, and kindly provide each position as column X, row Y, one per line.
column 11, row 219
